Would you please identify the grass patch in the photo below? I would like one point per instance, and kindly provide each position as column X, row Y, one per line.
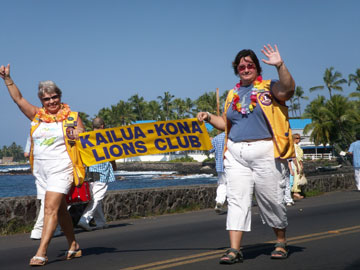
column 14, row 227
column 183, row 159
column 184, row 209
column 313, row 193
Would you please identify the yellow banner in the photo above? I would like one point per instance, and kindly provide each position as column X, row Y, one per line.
column 142, row 139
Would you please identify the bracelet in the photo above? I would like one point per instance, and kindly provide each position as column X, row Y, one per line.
column 279, row 66
column 8, row 84
column 208, row 117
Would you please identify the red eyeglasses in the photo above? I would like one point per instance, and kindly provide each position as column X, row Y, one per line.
column 248, row 66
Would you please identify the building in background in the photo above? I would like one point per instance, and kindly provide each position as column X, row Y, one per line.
column 311, row 151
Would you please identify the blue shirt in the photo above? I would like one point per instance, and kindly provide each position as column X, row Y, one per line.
column 105, row 170
column 218, row 148
column 355, row 150
column 252, row 126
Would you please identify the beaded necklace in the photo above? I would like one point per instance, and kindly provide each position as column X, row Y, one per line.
column 60, row 116
column 241, row 106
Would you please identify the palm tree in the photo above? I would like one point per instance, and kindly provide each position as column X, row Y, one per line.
column 207, row 102
column 293, row 108
column 299, row 95
column 106, row 115
column 166, row 103
column 86, row 121
column 138, row 104
column 344, row 117
column 119, row 114
column 189, row 107
column 355, row 78
column 180, row 108
column 124, row 113
column 333, row 122
column 332, row 81
column 319, row 127
column 153, row 111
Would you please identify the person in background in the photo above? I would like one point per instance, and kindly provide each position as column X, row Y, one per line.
column 103, row 174
column 27, row 147
column 354, row 150
column 288, row 200
column 296, row 189
column 254, row 119
column 53, row 134
column 218, row 147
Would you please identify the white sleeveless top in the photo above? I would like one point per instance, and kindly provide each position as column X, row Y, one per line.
column 49, row 141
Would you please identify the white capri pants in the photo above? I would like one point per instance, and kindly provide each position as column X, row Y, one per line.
column 94, row 207
column 357, row 178
column 251, row 166
column 221, row 188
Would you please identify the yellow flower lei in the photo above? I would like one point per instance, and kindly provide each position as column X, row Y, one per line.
column 61, row 115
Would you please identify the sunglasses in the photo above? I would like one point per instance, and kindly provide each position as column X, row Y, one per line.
column 248, row 66
column 297, row 138
column 49, row 98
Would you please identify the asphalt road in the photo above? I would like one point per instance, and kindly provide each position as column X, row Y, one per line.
column 323, row 233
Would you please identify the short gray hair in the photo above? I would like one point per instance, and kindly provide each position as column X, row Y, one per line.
column 48, row 87
column 98, row 123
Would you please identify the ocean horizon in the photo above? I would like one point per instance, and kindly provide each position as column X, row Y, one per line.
column 17, row 185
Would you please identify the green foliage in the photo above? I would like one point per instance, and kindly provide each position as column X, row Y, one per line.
column 312, row 193
column 209, row 160
column 86, row 121
column 183, row 159
column 332, row 81
column 15, row 226
column 14, row 150
column 334, row 121
column 184, row 209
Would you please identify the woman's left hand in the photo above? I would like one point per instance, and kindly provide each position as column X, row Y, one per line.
column 77, row 131
column 274, row 58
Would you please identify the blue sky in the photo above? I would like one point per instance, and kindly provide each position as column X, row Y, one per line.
column 100, row 52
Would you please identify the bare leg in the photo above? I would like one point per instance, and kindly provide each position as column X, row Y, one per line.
column 235, row 239
column 67, row 225
column 280, row 237
column 56, row 210
column 52, row 203
column 235, row 242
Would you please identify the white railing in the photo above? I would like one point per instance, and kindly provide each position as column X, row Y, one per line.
column 328, row 156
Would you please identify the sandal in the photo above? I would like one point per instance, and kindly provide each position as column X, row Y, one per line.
column 38, row 261
column 228, row 258
column 71, row 254
column 279, row 254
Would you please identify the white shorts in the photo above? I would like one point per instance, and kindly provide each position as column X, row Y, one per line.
column 52, row 175
column 251, row 166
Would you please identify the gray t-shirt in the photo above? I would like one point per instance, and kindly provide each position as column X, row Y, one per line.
column 252, row 126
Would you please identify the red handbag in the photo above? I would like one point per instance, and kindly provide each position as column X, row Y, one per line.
column 79, row 194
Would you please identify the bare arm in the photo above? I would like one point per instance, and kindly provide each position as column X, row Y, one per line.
column 27, row 108
column 290, row 168
column 217, row 122
column 296, row 165
column 113, row 164
column 79, row 128
column 283, row 89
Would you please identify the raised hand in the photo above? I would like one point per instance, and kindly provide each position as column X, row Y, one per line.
column 5, row 71
column 274, row 58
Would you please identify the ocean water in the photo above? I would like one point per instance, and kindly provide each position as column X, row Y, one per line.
column 24, row 184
